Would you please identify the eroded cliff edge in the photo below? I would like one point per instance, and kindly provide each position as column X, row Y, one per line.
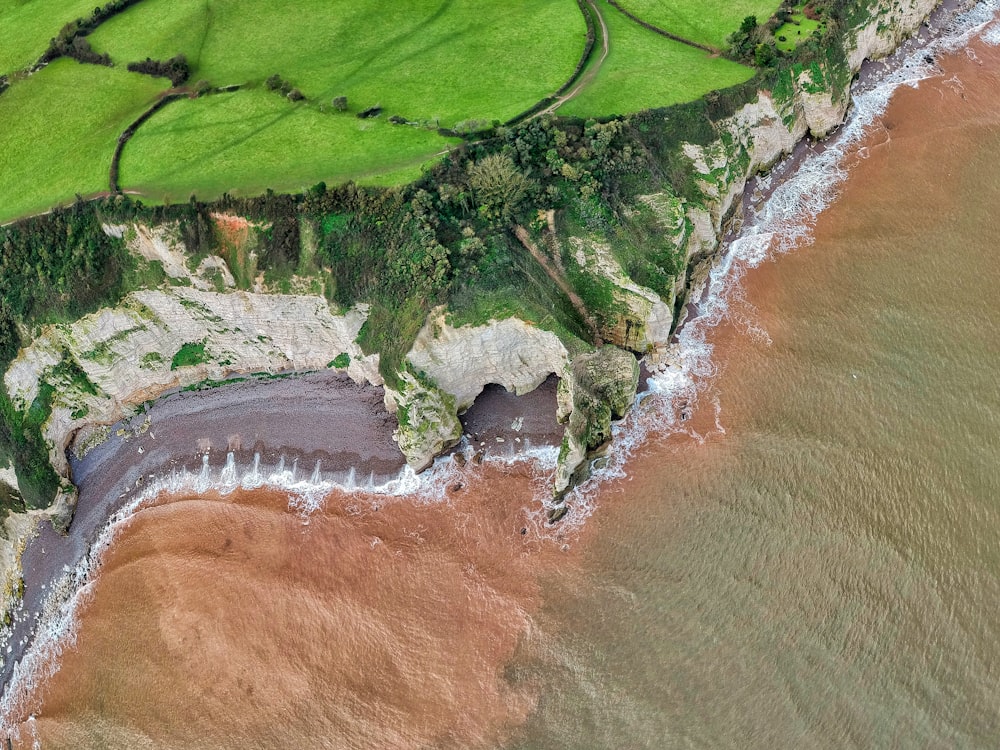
column 215, row 314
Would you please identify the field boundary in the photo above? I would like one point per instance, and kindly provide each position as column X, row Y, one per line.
column 127, row 134
column 662, row 32
column 539, row 107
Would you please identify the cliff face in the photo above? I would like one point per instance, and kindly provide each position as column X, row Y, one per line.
column 105, row 365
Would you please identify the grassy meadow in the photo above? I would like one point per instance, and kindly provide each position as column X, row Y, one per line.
column 29, row 24
column 645, row 70
column 58, row 130
column 251, row 140
column 431, row 62
column 708, row 22
column 790, row 35
column 424, row 59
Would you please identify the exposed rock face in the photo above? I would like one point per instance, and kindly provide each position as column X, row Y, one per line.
column 428, row 420
column 454, row 365
column 643, row 318
column 128, row 353
column 600, row 387
column 162, row 244
column 463, row 361
column 891, row 23
column 761, row 132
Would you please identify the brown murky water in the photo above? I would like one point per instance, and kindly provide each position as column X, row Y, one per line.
column 814, row 562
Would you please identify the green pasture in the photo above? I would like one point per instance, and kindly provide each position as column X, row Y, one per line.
column 58, row 130
column 708, row 22
column 247, row 141
column 28, row 25
column 790, row 35
column 645, row 70
column 451, row 60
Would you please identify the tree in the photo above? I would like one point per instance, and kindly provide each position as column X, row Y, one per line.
column 340, row 103
column 499, row 186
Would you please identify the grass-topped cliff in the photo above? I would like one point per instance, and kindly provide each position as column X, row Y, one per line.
column 583, row 222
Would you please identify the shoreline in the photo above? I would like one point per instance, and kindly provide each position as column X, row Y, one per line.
column 285, row 432
column 90, row 466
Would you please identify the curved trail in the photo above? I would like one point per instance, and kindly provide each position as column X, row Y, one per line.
column 587, row 78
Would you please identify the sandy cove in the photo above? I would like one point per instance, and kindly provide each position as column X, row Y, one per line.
column 321, row 418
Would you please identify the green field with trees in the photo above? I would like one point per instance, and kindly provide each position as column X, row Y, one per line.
column 29, row 24
column 58, row 130
column 250, row 140
column 328, row 90
column 421, row 60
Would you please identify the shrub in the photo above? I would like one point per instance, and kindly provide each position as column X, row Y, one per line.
column 176, row 69
column 188, row 355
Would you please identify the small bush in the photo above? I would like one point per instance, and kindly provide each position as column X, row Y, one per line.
column 341, row 361
column 189, row 355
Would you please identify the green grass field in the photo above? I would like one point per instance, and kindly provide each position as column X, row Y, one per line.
column 424, row 59
column 432, row 61
column 644, row 70
column 27, row 26
column 790, row 35
column 707, row 22
column 247, row 141
column 58, row 131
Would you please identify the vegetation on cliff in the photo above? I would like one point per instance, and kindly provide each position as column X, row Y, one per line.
column 486, row 231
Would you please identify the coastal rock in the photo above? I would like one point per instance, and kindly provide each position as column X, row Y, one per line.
column 463, row 361
column 822, row 111
column 125, row 356
column 427, row 417
column 639, row 319
column 892, row 21
column 600, row 387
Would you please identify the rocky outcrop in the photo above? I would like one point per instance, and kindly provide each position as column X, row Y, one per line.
column 892, row 22
column 448, row 369
column 641, row 318
column 427, row 417
column 162, row 244
column 463, row 361
column 600, row 386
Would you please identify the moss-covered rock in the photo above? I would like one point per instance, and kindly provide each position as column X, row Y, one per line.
column 599, row 387
column 428, row 420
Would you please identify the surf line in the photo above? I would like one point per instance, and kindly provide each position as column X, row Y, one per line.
column 797, row 190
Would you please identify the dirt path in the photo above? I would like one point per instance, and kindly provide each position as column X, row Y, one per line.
column 560, row 280
column 588, row 77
